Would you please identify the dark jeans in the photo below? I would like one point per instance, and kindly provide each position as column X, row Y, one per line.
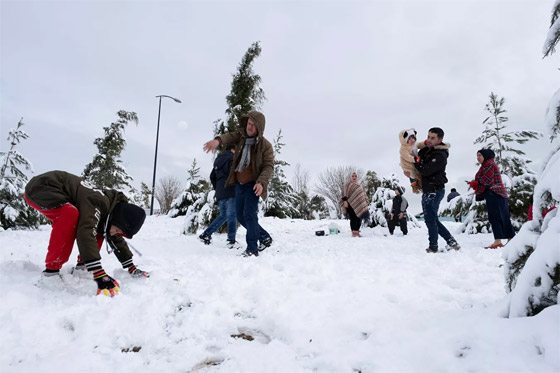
column 227, row 212
column 355, row 222
column 247, row 206
column 498, row 215
column 392, row 223
column 430, row 206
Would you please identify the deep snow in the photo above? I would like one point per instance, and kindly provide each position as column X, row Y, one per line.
column 327, row 304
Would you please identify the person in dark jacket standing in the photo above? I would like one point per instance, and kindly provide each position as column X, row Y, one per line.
column 488, row 184
column 226, row 199
column 253, row 163
column 431, row 163
column 81, row 213
column 398, row 212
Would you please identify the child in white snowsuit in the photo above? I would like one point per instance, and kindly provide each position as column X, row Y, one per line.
column 409, row 150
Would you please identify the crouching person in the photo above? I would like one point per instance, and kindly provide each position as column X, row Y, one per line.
column 88, row 216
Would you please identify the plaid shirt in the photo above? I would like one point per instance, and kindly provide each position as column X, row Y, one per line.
column 488, row 177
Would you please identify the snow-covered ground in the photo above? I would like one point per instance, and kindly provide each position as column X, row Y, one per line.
column 325, row 304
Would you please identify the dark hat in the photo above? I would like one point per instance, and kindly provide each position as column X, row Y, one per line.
column 128, row 217
column 229, row 147
column 487, row 153
column 400, row 189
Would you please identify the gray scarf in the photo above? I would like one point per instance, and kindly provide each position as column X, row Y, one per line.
column 246, row 155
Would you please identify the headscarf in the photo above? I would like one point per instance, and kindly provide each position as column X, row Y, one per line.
column 487, row 154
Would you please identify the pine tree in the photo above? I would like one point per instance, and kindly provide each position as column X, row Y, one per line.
column 145, row 195
column 106, row 170
column 246, row 93
column 14, row 211
column 382, row 201
column 281, row 196
column 370, row 184
column 519, row 179
column 531, row 261
column 195, row 189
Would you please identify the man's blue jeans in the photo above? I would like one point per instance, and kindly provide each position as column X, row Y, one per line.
column 430, row 206
column 227, row 212
column 247, row 205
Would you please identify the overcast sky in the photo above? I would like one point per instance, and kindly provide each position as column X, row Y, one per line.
column 341, row 78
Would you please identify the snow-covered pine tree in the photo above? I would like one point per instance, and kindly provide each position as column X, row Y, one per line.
column 246, row 93
column 382, row 201
column 199, row 201
column 370, row 184
column 14, row 211
column 282, row 199
column 196, row 188
column 144, row 195
column 518, row 177
column 106, row 170
column 532, row 258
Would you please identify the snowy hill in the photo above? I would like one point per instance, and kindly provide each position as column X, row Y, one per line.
column 325, row 304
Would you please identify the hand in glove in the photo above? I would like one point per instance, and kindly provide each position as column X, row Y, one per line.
column 106, row 285
column 137, row 272
column 473, row 184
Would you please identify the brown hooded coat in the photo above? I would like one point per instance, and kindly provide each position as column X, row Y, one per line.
column 262, row 153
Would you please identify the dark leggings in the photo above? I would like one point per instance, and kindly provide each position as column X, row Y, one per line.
column 355, row 221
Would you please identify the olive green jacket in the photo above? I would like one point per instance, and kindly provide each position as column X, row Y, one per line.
column 262, row 153
column 57, row 188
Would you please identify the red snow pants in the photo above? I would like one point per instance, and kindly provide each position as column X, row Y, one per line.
column 64, row 222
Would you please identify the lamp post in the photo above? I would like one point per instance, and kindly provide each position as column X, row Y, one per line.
column 155, row 157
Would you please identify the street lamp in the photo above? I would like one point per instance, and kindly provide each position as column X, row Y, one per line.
column 155, row 157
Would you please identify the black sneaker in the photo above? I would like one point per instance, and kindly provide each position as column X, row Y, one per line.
column 265, row 243
column 206, row 239
column 232, row 244
column 248, row 253
column 432, row 251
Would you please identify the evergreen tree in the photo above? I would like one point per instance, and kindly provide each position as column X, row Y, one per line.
column 531, row 261
column 246, row 93
column 496, row 138
column 195, row 189
column 145, row 195
column 282, row 199
column 519, row 179
column 14, row 211
column 382, row 201
column 370, row 184
column 106, row 170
